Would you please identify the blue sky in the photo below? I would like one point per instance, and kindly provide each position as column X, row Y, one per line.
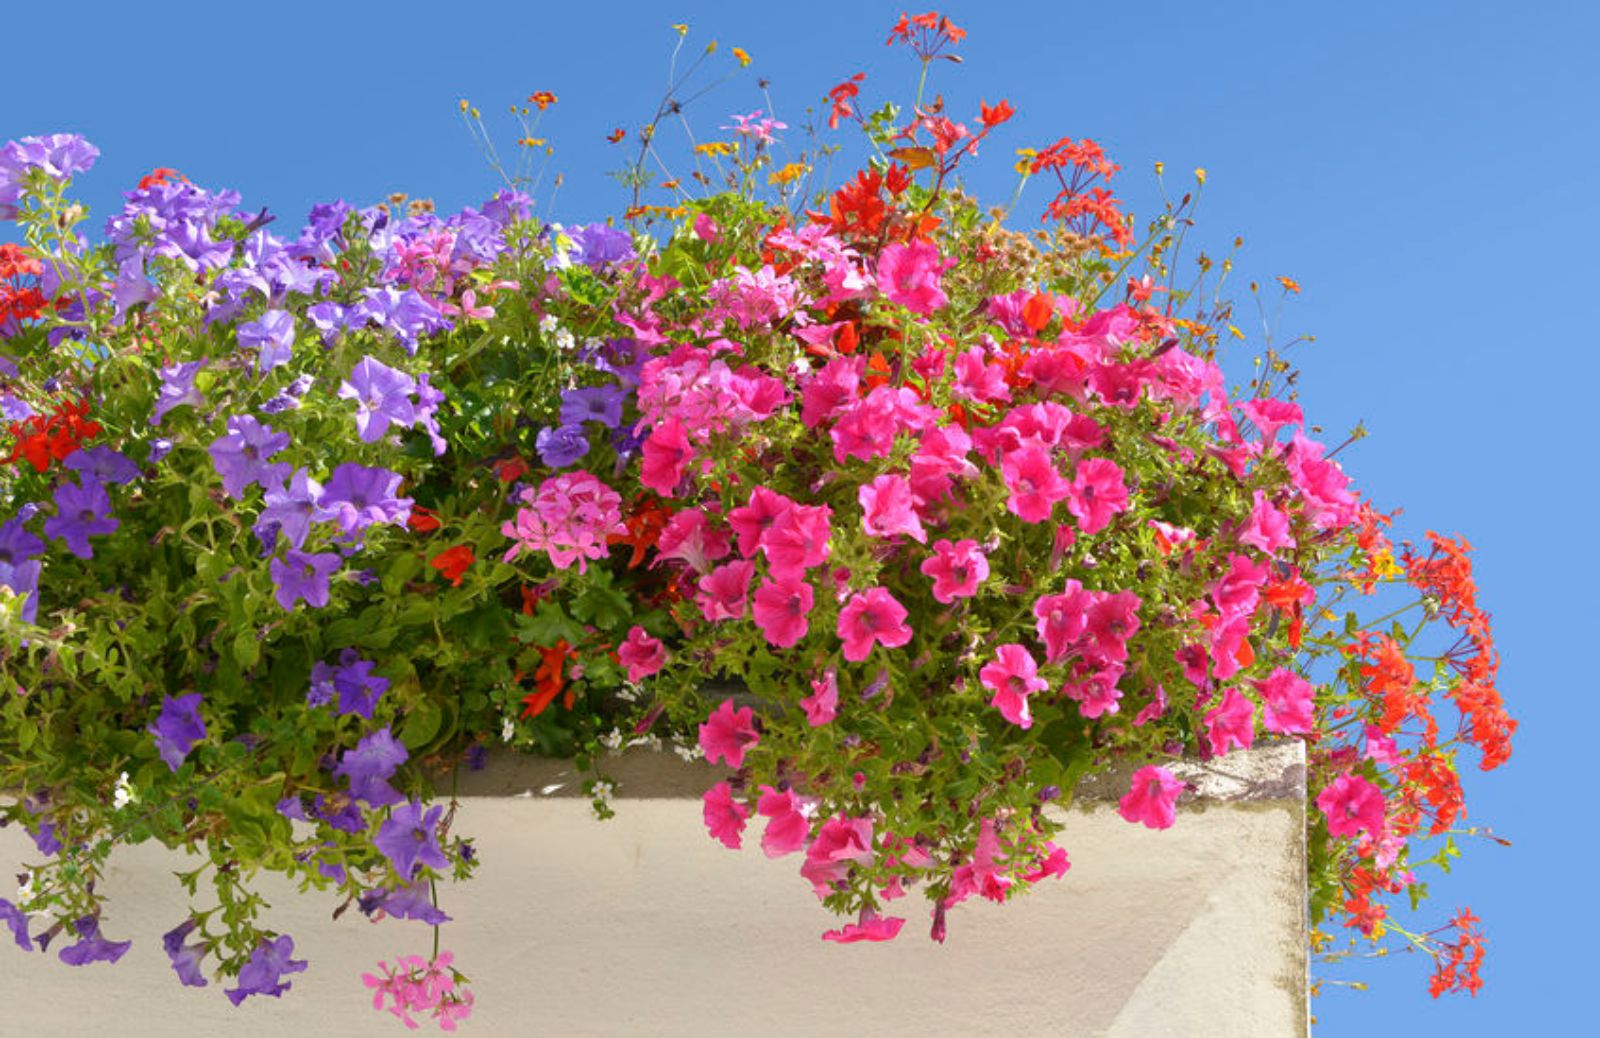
column 1424, row 169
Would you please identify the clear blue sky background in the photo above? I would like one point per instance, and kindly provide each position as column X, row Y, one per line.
column 1426, row 170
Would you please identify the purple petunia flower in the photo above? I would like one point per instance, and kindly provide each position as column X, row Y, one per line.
column 17, row 919
column 45, row 838
column 428, row 401
column 103, row 465
column 508, row 207
column 90, row 946
column 158, row 449
column 83, row 510
column 601, row 404
column 16, row 543
column 357, row 687
column 382, row 395
column 328, row 319
column 241, row 456
column 304, row 575
column 288, row 399
column 178, row 728
column 272, row 337
column 370, row 766
column 407, row 901
column 405, row 315
column 561, row 445
column 11, row 408
column 177, row 389
column 357, row 497
column 263, row 973
column 341, row 812
column 290, row 509
column 597, row 245
column 22, row 578
column 59, row 155
column 185, row 957
column 409, row 838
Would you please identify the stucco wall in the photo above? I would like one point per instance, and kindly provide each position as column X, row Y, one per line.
column 643, row 925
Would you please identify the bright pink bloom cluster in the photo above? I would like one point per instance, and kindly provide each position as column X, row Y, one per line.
column 570, row 518
column 414, row 986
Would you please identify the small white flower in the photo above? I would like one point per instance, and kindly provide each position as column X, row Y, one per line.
column 565, row 340
column 123, row 794
column 689, row 753
column 25, row 892
column 612, row 740
column 508, row 730
column 548, row 324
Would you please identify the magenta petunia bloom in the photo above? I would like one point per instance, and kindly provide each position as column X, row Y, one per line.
column 1352, row 804
column 1267, row 528
column 822, row 705
column 872, row 616
column 780, row 608
column 1152, row 798
column 1112, row 619
column 1231, row 723
column 839, row 844
column 788, row 824
column 752, row 520
column 641, row 654
column 1286, row 703
column 887, row 509
column 1097, row 493
column 798, row 540
column 666, row 455
column 870, row 926
column 724, row 816
column 728, row 733
column 689, row 536
column 723, row 591
column 1062, row 619
column 1013, row 676
column 1034, row 483
column 957, row 569
column 1270, row 415
column 909, row 276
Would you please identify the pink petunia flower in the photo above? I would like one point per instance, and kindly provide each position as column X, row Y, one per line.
column 1013, row 676
column 689, row 536
column 1380, row 748
column 1267, row 528
column 641, row 654
column 978, row 380
column 822, row 705
column 957, row 569
column 1112, row 619
column 981, row 875
column 839, row 843
column 751, row 520
column 887, row 509
column 1097, row 493
column 1270, row 415
column 909, row 275
column 780, row 608
column 1286, row 703
column 798, row 540
column 1053, row 862
column 872, row 616
column 1095, row 689
column 870, row 926
column 1152, row 798
column 788, row 823
column 1153, row 709
column 665, row 456
column 1352, row 805
column 728, row 733
column 725, row 816
column 1034, row 483
column 723, row 590
column 1231, row 723
column 1062, row 619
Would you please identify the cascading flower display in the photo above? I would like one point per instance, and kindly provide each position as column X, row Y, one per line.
column 950, row 515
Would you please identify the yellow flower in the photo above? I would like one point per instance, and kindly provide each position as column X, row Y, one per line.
column 715, row 148
column 743, row 56
column 1200, row 175
column 682, row 27
column 787, row 174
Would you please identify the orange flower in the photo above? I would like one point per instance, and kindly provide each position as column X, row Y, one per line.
column 548, row 680
column 543, row 98
column 993, row 117
column 616, row 135
column 453, row 562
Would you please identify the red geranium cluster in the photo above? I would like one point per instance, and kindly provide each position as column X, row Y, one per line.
column 43, row 438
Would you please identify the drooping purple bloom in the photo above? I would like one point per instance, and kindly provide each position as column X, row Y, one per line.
column 83, row 510
column 382, row 395
column 11, row 408
column 597, row 245
column 304, row 575
column 59, row 155
column 407, row 901
column 428, row 401
column 328, row 319
column 16, row 543
column 288, row 398
column 561, row 445
column 185, row 957
column 241, row 456
column 409, row 837
column 263, row 973
column 103, row 465
column 370, row 765
column 91, row 947
column 357, row 497
column 405, row 315
column 17, row 919
column 271, row 336
column 23, row 579
column 177, row 389
column 158, row 449
column 45, row 838
column 178, row 728
column 601, row 404
column 341, row 812
column 289, row 509
column 357, row 687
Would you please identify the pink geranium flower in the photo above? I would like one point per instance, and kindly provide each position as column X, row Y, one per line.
column 887, row 509
column 840, row 843
column 725, row 816
column 1013, row 676
column 1287, row 703
column 723, row 590
column 1231, row 723
column 728, row 733
column 1352, row 804
column 869, row 927
column 1152, row 798
column 788, row 825
column 1096, row 494
column 1062, row 619
column 1268, row 528
column 780, row 608
column 909, row 275
column 822, row 705
column 641, row 654
column 1034, row 483
column 872, row 616
column 665, row 456
column 957, row 569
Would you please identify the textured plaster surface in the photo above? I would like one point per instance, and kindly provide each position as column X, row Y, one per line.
column 644, row 926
